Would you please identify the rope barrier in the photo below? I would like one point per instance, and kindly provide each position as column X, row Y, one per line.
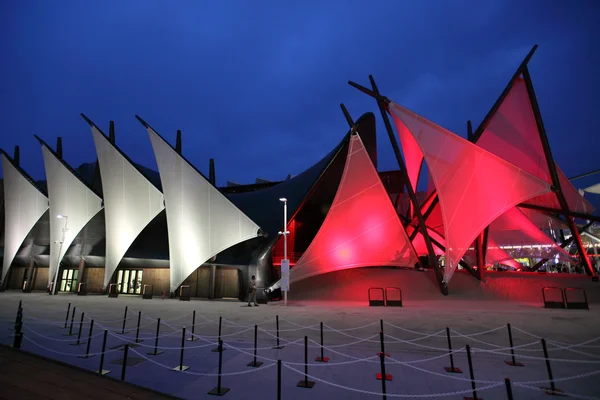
column 392, row 394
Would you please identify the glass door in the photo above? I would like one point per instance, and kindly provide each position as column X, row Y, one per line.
column 68, row 283
column 129, row 281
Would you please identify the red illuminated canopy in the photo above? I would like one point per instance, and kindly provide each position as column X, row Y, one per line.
column 474, row 186
column 512, row 134
column 361, row 228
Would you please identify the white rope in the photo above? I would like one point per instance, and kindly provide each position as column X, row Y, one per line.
column 63, row 353
column 391, row 394
column 263, row 367
column 572, row 395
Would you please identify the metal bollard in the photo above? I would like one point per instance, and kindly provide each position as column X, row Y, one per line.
column 156, row 351
column 102, row 371
column 255, row 363
column 193, row 337
column 451, row 368
column 322, row 358
column 219, row 390
column 89, row 342
column 513, row 362
column 305, row 383
column 181, row 367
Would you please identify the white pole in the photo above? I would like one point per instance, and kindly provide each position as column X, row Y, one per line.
column 285, row 255
column 64, row 231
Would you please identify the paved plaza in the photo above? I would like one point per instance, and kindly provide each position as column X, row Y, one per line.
column 415, row 338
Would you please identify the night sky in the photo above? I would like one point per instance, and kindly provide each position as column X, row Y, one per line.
column 257, row 84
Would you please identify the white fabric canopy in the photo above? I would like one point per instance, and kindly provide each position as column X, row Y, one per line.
column 70, row 198
column 130, row 201
column 24, row 205
column 201, row 221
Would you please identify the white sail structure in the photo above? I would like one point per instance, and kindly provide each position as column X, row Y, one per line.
column 72, row 206
column 201, row 221
column 131, row 201
column 24, row 205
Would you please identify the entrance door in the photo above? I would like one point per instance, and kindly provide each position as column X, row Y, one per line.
column 227, row 283
column 68, row 283
column 129, row 281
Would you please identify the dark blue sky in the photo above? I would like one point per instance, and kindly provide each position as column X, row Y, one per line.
column 257, row 84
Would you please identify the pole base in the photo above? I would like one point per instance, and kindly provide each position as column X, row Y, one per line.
column 255, row 364
column 514, row 364
column 278, row 347
column 103, row 372
column 388, row 377
column 138, row 340
column 88, row 356
column 386, row 354
column 122, row 333
column 191, row 339
column 155, row 353
column 305, row 384
column 555, row 392
column 78, row 344
column 219, row 391
column 216, row 350
column 453, row 370
column 180, row 368
column 324, row 359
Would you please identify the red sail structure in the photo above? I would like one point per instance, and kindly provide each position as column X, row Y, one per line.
column 519, row 237
column 512, row 134
column 413, row 157
column 361, row 229
column 474, row 186
column 513, row 228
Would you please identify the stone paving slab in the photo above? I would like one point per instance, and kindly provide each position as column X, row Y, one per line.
column 408, row 339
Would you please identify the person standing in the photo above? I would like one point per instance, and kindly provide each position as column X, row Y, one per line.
column 252, row 292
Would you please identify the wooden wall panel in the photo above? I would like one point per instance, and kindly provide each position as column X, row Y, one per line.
column 94, row 279
column 40, row 278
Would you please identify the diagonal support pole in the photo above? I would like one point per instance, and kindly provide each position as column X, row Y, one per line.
column 554, row 175
column 382, row 103
column 354, row 129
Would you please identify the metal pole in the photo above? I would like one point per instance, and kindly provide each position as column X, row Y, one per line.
column 278, row 379
column 550, row 377
column 64, row 232
column 137, row 331
column 278, row 346
column 124, row 368
column 192, row 338
column 220, row 365
column 72, row 318
column 156, row 352
column 306, row 361
column 124, row 321
column 554, row 175
column 255, row 341
column 100, row 370
column 87, row 349
column 509, row 394
column 285, row 255
column 513, row 362
column 382, row 363
column 80, row 328
column 322, row 355
column 471, row 372
column 182, row 346
column 220, row 322
column 67, row 316
column 452, row 367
